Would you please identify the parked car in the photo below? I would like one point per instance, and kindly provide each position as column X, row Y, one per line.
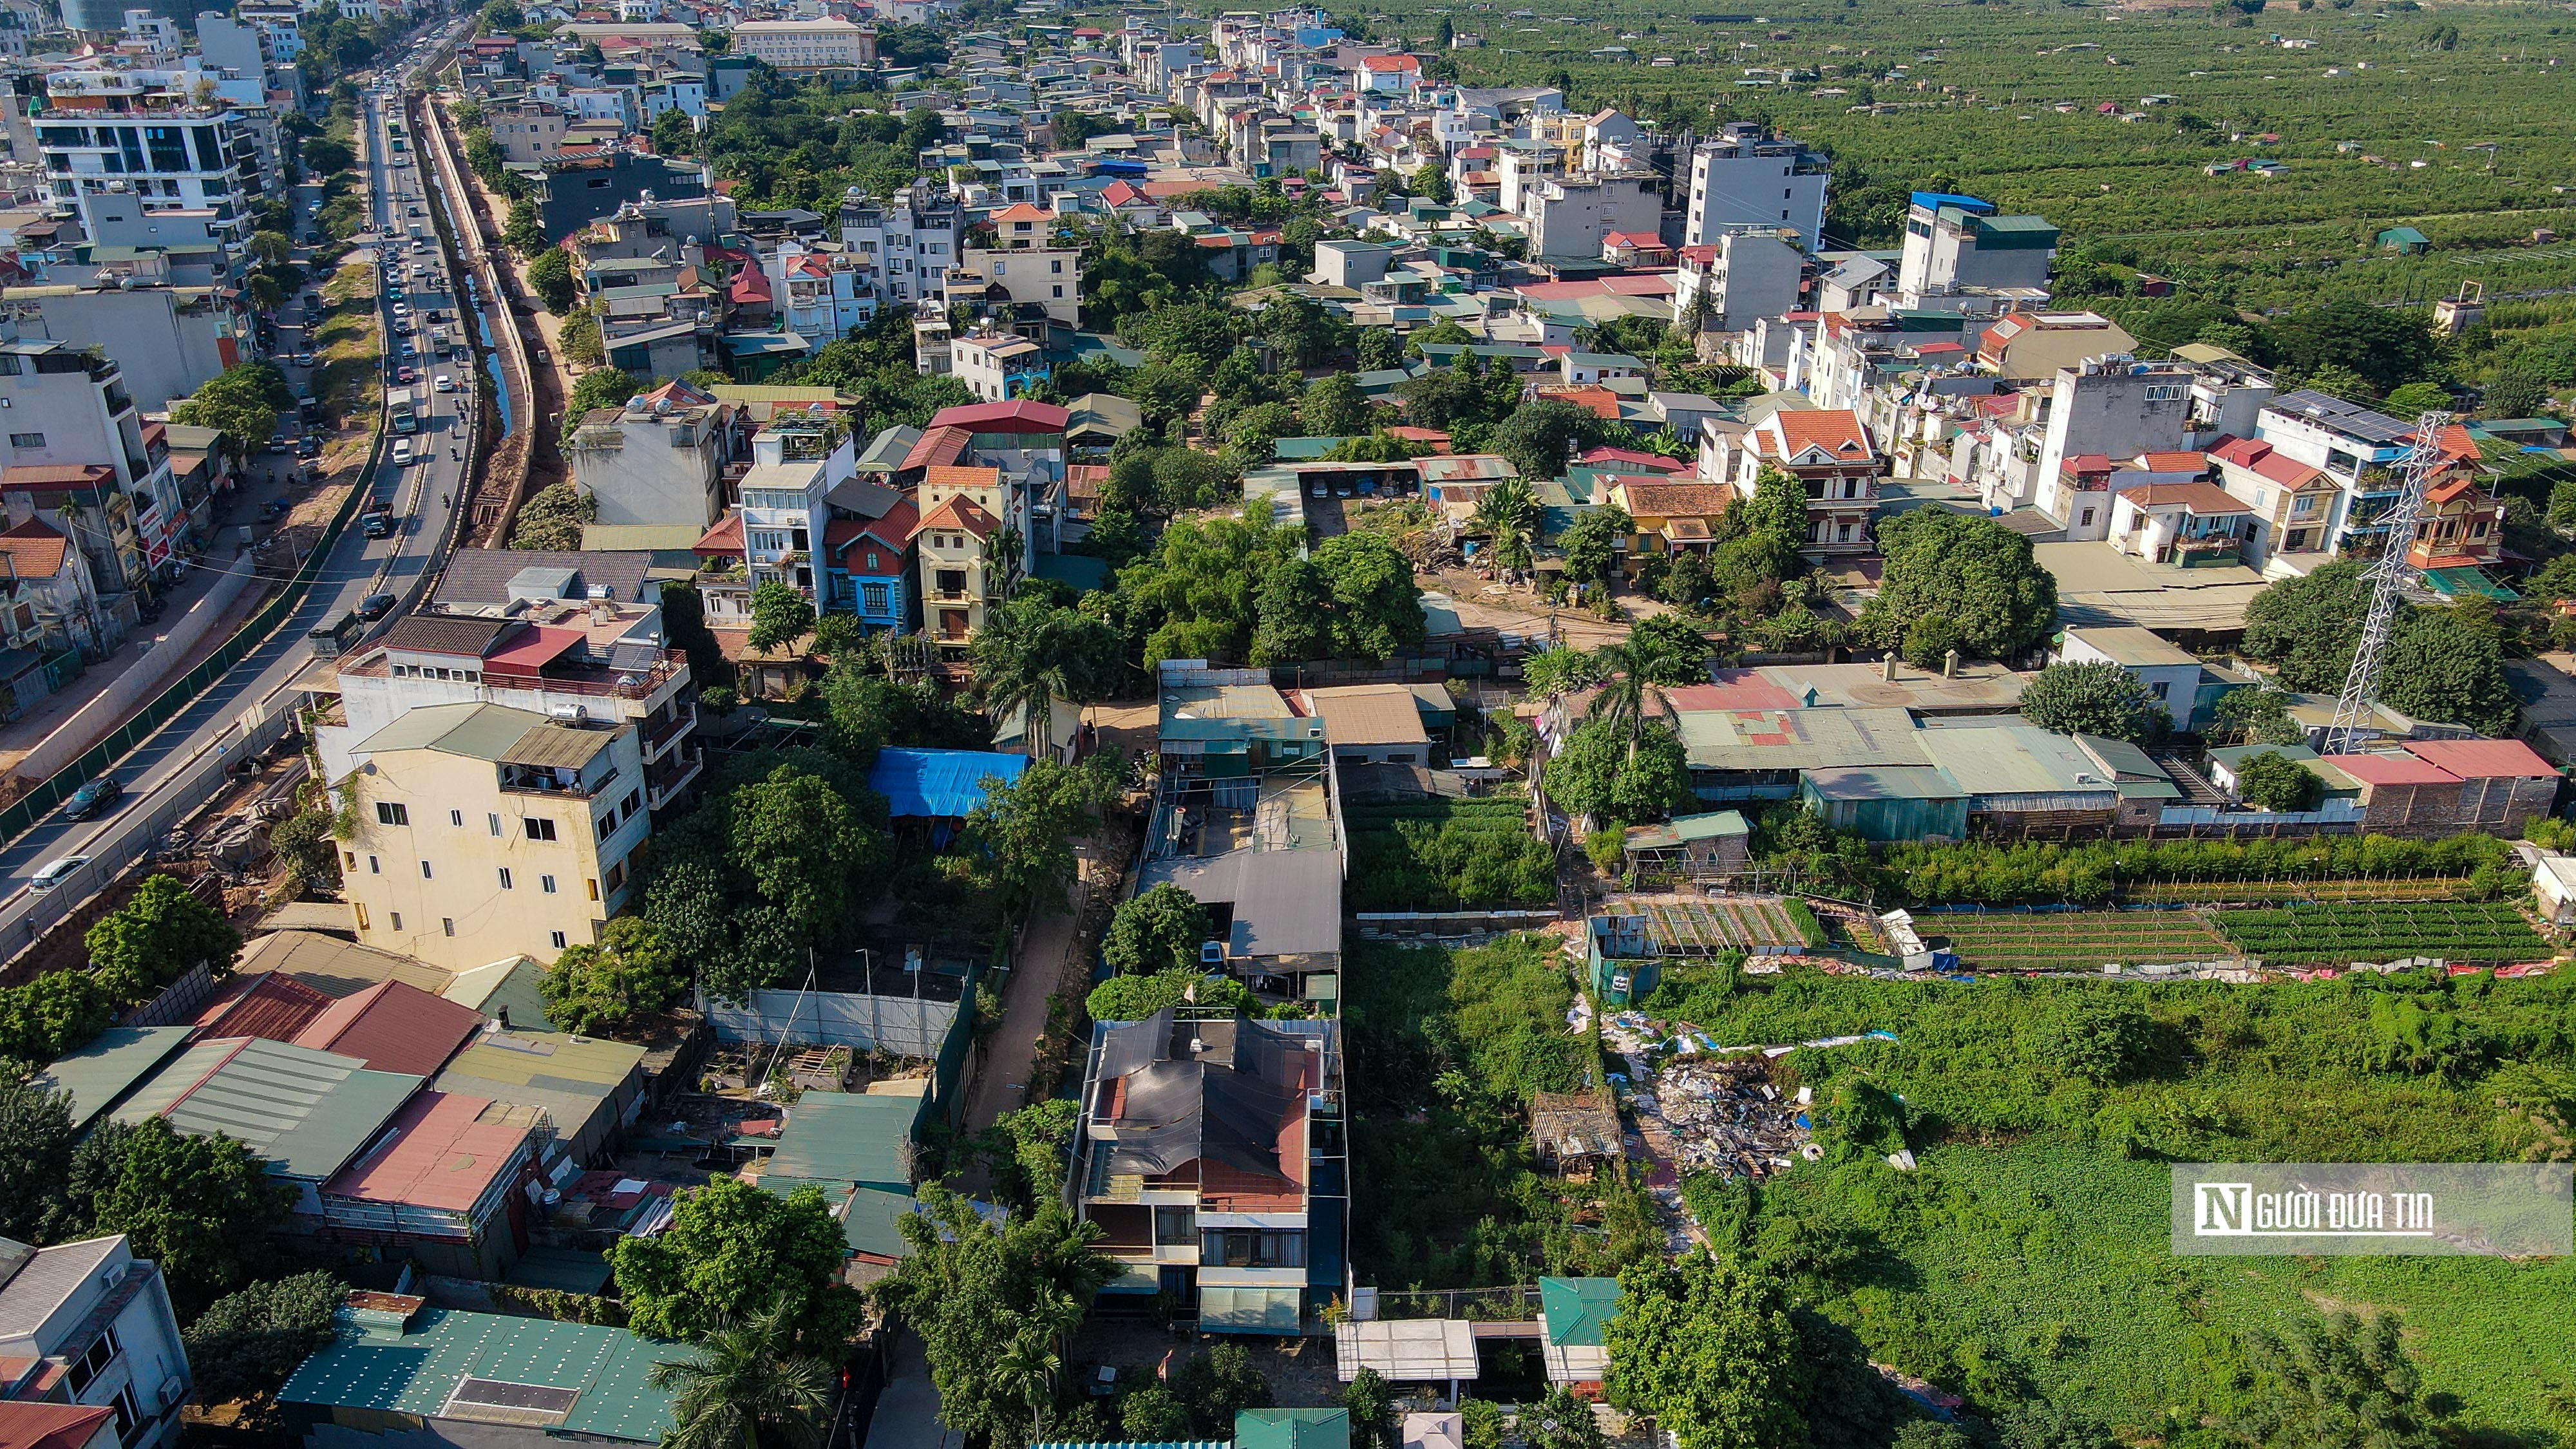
column 92, row 799
column 302, row 359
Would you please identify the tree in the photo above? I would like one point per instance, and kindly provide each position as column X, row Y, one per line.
column 601, row 387
column 157, row 937
column 1156, row 930
column 807, row 848
column 303, row 841
column 2097, row 698
column 1032, row 652
column 2441, row 666
column 2038, row 1424
column 201, row 1207
column 732, row 1251
column 35, row 1154
column 2104, row 1040
column 1334, row 407
column 1219, row 1384
column 990, row 1302
column 1036, row 1140
column 56, row 1013
column 2276, row 782
column 1591, row 543
column 1376, row 609
column 1616, row 775
column 1975, row 571
column 2260, row 716
column 525, row 231
column 2307, row 625
column 1538, row 438
column 2340, row 1382
column 1378, row 349
column 1562, row 669
column 241, row 402
column 1508, row 517
column 1371, row 1406
column 747, row 1385
column 246, row 1343
column 550, row 277
column 1560, row 1420
column 1134, row 997
column 1706, row 1345
column 1024, row 831
column 631, row 971
column 780, row 616
column 2417, row 398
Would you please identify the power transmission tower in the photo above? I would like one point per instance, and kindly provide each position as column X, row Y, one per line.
column 2388, row 578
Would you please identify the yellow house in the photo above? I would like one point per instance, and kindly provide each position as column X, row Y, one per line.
column 961, row 508
column 1669, row 517
column 485, row 832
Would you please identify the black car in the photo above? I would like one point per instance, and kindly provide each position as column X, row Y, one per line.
column 375, row 606
column 92, row 799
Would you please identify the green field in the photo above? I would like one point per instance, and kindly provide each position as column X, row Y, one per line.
column 2480, row 931
column 1446, row 855
column 2075, row 940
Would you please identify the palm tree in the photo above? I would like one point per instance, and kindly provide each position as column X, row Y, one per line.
column 1026, row 1370
column 1508, row 516
column 1639, row 666
column 747, row 1387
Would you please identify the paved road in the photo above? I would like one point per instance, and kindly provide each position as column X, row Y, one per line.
column 424, row 502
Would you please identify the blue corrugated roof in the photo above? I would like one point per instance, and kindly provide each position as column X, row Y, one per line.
column 940, row 783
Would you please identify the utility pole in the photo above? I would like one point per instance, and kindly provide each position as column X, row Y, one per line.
column 2388, row 577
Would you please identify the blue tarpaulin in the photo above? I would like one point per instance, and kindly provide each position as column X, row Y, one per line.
column 940, row 784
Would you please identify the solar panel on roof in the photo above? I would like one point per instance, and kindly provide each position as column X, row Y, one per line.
column 496, row 1394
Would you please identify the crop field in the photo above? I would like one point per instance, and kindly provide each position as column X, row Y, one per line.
column 2359, row 888
column 1446, row 855
column 2483, row 931
column 2446, row 116
column 2075, row 940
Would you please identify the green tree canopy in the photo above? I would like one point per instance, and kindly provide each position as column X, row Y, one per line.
column 157, row 937
column 780, row 616
column 734, row 1251
column 1024, row 832
column 246, row 1343
column 1134, row 997
column 1157, row 930
column 550, row 277
column 1706, row 1345
column 201, row 1207
column 1973, row 570
column 2096, row 698
column 593, row 989
column 242, row 402
column 1605, row 773
column 2340, row 1382
column 1539, row 437
column 35, row 1154
column 2277, row 782
column 748, row 1385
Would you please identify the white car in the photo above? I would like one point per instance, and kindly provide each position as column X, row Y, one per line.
column 443, row 383
column 55, row 872
column 402, row 452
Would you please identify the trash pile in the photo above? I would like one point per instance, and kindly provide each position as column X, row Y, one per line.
column 1723, row 1116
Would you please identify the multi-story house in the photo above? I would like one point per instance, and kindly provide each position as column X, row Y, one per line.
column 152, row 137
column 2462, row 525
column 807, row 45
column 2291, row 503
column 820, row 291
column 2356, row 447
column 526, row 131
column 1958, row 245
column 1212, row 1156
column 871, row 568
column 1727, row 282
column 486, row 832
column 2188, row 524
column 998, row 366
column 167, row 340
column 2024, row 347
column 49, row 595
column 2108, row 406
column 68, row 407
column 1746, row 178
column 797, row 460
column 84, row 503
column 960, row 542
column 1827, row 450
column 914, row 238
column 659, row 459
column 88, row 1323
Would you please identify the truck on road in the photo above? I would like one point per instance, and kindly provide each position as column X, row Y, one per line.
column 402, row 406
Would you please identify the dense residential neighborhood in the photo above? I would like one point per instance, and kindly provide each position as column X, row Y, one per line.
column 871, row 724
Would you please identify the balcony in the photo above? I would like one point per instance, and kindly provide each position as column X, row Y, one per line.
column 659, row 735
column 538, row 780
column 664, row 780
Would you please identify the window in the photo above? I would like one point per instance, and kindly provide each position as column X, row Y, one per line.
column 126, row 1416
column 495, row 822
column 505, row 877
column 456, row 818
column 546, row 883
column 392, row 812
column 447, row 924
column 93, row 1361
column 2088, row 519
column 592, row 887
column 538, row 829
column 26, row 440
column 557, row 937
column 397, row 919
column 1175, row 1224
column 373, row 868
column 1251, row 1248
column 348, row 860
column 616, row 875
column 424, row 871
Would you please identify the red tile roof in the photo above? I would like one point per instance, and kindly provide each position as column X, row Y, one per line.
column 35, row 549
column 894, row 530
column 2483, row 759
column 958, row 512
column 935, row 448
column 1019, row 415
column 1675, row 500
column 1837, row 431
column 393, row 1027
column 269, row 1005
column 750, row 285
column 949, row 477
column 534, row 650
column 2175, row 462
column 439, row 1155
column 49, row 1426
column 1022, row 211
column 2196, row 497
column 724, row 540
column 1653, row 462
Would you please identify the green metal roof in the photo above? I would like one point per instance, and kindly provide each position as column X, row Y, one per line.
column 475, row 731
column 847, row 1137
column 1709, row 826
column 1292, row 1429
column 306, row 1112
column 109, row 1066
column 2452, row 583
column 1576, row 1309
column 420, row 1370
column 873, row 1224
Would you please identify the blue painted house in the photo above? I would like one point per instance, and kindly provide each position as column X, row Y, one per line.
column 868, row 567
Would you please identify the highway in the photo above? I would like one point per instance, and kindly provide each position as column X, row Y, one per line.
column 166, row 777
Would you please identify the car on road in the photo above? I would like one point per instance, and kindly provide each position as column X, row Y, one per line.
column 92, row 799
column 406, row 375
column 401, row 454
column 308, row 446
column 443, row 383
column 302, row 359
column 54, row 872
column 277, row 442
column 375, row 606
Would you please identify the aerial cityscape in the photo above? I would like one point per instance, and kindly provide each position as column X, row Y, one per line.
column 973, row 724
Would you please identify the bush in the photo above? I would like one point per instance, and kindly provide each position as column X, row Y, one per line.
column 2274, row 781
column 1157, row 930
column 1446, row 855
column 1133, row 998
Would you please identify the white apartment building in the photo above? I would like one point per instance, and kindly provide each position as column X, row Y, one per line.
column 1743, row 276
column 997, row 367
column 143, row 135
column 1748, row 179
column 659, row 459
column 793, row 45
column 795, row 462
column 92, row 1320
column 65, row 408
column 913, row 236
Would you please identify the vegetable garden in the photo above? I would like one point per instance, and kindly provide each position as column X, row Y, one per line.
column 2467, row 931
column 1446, row 855
column 2076, row 940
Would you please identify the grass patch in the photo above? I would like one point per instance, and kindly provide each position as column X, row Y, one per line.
column 1443, row 1049
column 1447, row 855
column 349, row 345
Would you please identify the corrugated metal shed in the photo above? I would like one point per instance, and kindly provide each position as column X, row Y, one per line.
column 2020, row 767
column 1792, row 739
column 109, row 1066
column 581, row 1082
column 393, row 1027
column 441, row 1153
column 842, row 1137
column 557, row 746
column 1888, row 802
column 306, row 1112
column 871, row 1226
column 1574, row 1310
column 335, row 967
column 421, row 1371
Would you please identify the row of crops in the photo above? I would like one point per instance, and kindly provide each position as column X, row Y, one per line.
column 1446, row 855
column 2076, row 940
column 2482, row 931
